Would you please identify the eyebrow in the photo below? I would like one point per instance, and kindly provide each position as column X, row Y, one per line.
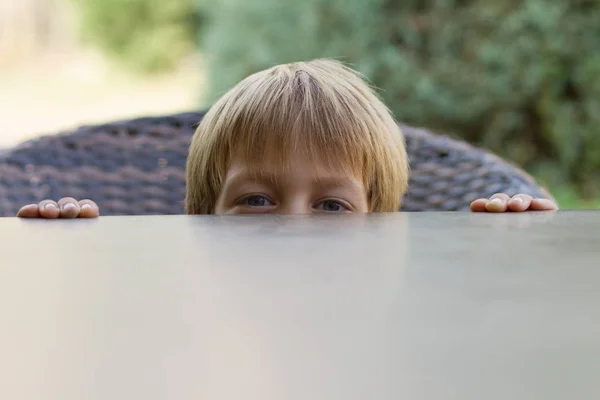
column 254, row 176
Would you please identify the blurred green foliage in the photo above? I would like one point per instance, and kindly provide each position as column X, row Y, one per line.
column 146, row 35
column 569, row 199
column 520, row 77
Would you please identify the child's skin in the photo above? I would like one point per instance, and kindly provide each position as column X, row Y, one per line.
column 300, row 138
column 305, row 188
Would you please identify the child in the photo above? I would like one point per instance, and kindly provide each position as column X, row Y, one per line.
column 306, row 137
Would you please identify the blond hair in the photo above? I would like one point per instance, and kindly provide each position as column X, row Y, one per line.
column 321, row 107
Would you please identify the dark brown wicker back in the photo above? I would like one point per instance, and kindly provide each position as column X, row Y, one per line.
column 137, row 167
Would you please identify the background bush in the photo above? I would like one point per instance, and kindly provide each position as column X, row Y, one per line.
column 520, row 77
column 147, row 35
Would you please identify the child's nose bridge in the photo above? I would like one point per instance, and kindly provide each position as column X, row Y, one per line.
column 295, row 205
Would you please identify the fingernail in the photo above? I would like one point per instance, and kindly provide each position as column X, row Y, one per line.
column 86, row 206
column 69, row 206
column 497, row 200
column 517, row 200
column 49, row 206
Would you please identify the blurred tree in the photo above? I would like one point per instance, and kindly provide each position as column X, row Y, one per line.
column 148, row 35
column 520, row 77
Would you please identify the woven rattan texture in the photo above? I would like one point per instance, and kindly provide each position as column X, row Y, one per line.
column 137, row 167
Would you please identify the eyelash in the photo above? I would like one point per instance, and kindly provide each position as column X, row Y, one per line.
column 345, row 207
column 242, row 201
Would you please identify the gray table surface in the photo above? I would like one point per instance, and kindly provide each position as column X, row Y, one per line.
column 392, row 306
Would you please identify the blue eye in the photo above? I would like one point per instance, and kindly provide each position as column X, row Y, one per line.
column 333, row 206
column 256, row 201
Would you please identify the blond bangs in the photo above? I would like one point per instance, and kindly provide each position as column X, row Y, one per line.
column 320, row 109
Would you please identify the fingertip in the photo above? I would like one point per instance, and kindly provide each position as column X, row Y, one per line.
column 89, row 209
column 89, row 212
column 70, row 210
column 496, row 205
column 544, row 205
column 552, row 205
column 478, row 205
column 502, row 196
column 28, row 211
column 49, row 210
column 519, row 203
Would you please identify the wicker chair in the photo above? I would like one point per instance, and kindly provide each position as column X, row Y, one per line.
column 137, row 167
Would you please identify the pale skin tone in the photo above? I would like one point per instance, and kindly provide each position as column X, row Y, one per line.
column 304, row 188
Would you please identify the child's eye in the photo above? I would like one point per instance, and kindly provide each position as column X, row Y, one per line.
column 256, row 201
column 332, row 206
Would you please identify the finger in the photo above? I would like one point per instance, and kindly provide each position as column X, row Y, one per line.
column 502, row 196
column 479, row 205
column 49, row 209
column 519, row 203
column 69, row 208
column 89, row 209
column 543, row 205
column 497, row 203
column 29, row 211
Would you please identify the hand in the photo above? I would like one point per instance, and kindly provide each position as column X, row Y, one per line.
column 501, row 202
column 67, row 208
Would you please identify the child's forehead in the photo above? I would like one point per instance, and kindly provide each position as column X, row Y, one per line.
column 319, row 168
